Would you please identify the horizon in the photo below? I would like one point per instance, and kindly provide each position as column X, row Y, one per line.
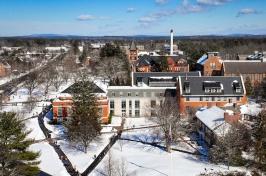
column 132, row 17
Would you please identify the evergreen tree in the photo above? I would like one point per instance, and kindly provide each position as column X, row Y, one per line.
column 84, row 124
column 248, row 85
column 259, row 134
column 15, row 158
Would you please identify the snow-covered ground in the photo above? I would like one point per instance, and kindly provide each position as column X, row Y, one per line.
column 49, row 161
column 146, row 160
column 141, row 159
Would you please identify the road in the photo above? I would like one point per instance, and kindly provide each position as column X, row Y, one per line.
column 11, row 86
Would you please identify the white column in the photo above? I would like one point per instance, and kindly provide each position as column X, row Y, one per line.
column 172, row 43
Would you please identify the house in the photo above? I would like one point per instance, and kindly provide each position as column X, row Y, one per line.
column 207, row 91
column 149, row 63
column 62, row 106
column 255, row 70
column 214, row 122
column 5, row 69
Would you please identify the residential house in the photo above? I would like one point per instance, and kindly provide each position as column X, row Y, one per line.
column 214, row 122
column 207, row 91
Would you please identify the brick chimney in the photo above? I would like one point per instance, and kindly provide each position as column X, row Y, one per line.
column 231, row 118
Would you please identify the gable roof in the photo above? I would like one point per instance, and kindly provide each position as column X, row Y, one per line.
column 248, row 67
column 213, row 118
column 147, row 60
column 197, row 85
column 96, row 89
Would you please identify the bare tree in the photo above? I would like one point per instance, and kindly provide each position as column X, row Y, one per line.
column 32, row 82
column 114, row 167
column 48, row 78
column 57, row 81
column 168, row 118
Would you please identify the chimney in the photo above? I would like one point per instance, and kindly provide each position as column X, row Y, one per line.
column 172, row 43
column 231, row 118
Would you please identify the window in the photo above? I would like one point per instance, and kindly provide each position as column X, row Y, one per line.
column 161, row 94
column 130, row 113
column 153, row 103
column 238, row 90
column 113, row 94
column 213, row 98
column 136, row 94
column 213, row 66
column 225, row 99
column 123, row 112
column 207, row 98
column 129, row 94
column 218, row 98
column 137, row 104
column 187, row 98
column 137, row 113
column 130, row 104
column 112, row 104
column 238, row 98
column 201, row 99
column 123, row 104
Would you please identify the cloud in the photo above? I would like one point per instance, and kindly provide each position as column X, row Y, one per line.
column 131, row 10
column 187, row 7
column 161, row 2
column 212, row 2
column 247, row 11
column 85, row 17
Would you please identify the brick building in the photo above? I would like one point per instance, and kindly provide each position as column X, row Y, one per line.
column 213, row 66
column 148, row 63
column 62, row 106
column 255, row 70
column 5, row 69
column 197, row 92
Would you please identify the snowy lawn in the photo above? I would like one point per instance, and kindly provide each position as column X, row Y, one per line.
column 50, row 162
column 82, row 160
column 146, row 160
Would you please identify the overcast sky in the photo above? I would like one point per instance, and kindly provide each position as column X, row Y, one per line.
column 132, row 17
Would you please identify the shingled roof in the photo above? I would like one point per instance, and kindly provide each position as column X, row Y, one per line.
column 197, row 85
column 248, row 67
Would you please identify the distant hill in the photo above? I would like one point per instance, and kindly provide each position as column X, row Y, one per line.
column 134, row 37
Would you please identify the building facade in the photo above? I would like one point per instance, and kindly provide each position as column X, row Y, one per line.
column 213, row 66
column 198, row 92
column 255, row 70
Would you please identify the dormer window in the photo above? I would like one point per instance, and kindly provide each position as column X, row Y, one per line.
column 236, row 86
column 212, row 87
column 187, row 87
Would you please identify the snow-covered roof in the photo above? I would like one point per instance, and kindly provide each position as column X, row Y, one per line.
column 252, row 109
column 203, row 59
column 213, row 118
